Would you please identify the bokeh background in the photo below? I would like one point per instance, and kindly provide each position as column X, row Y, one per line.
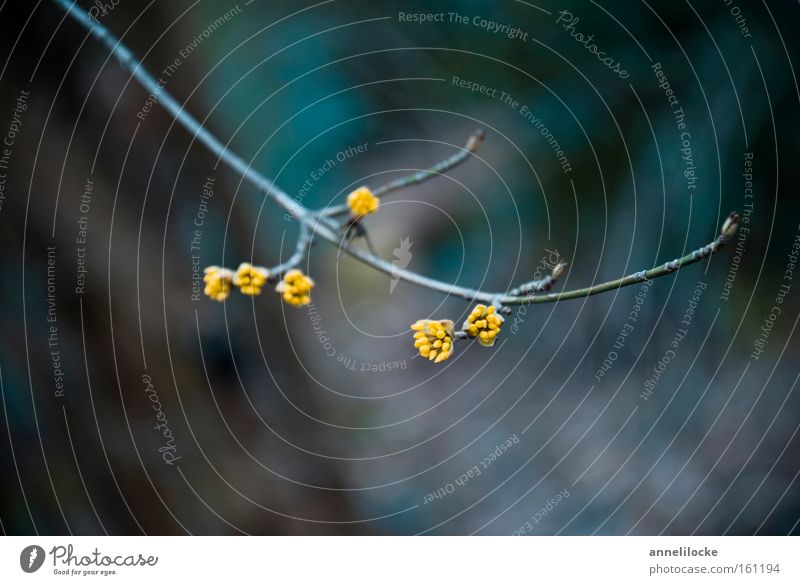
column 321, row 420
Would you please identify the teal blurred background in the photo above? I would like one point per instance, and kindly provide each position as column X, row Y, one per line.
column 321, row 421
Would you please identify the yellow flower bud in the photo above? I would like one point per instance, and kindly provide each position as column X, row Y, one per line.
column 362, row 202
column 434, row 339
column 295, row 288
column 250, row 279
column 218, row 282
column 483, row 323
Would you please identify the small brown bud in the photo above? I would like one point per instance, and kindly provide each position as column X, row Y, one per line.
column 559, row 270
column 475, row 140
column 729, row 227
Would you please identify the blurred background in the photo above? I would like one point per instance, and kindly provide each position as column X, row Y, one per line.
column 130, row 406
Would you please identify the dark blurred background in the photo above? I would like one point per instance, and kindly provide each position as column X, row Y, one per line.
column 320, row 420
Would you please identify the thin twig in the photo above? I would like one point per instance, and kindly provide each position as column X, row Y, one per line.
column 637, row 277
column 542, row 284
column 505, row 299
column 301, row 248
column 440, row 168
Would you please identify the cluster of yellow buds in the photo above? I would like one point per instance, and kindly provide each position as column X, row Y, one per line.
column 484, row 323
column 295, row 288
column 362, row 202
column 250, row 279
column 434, row 339
column 218, row 282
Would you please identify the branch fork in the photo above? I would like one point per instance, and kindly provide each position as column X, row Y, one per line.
column 340, row 224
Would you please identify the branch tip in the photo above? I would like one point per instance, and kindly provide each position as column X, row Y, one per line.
column 730, row 226
column 475, row 140
column 559, row 270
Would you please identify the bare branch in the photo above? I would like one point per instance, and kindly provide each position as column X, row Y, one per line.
column 540, row 285
column 135, row 67
column 506, row 299
column 330, row 230
column 727, row 232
